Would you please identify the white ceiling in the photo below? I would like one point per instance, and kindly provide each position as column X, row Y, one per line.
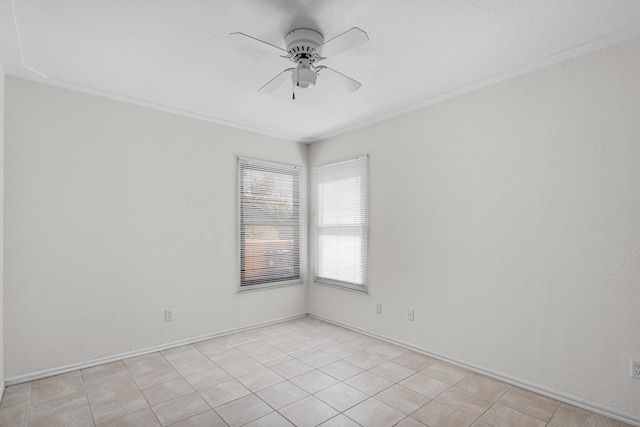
column 177, row 56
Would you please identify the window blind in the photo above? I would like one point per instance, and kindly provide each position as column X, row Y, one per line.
column 341, row 223
column 269, row 223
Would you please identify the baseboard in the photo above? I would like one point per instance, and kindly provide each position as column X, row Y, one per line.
column 571, row 400
column 1, row 390
column 95, row 362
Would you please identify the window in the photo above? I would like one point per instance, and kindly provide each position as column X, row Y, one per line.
column 341, row 221
column 269, row 224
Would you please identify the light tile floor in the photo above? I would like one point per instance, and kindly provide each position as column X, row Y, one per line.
column 303, row 372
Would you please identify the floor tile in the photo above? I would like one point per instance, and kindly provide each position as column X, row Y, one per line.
column 392, row 371
column 255, row 348
column 570, row 416
column 272, row 358
column 222, row 393
column 402, row 399
column 16, row 396
column 308, row 412
column 314, row 381
column 15, row 416
column 501, row 416
column 463, row 401
column 167, row 391
column 54, row 389
column 414, row 361
column 298, row 349
column 242, row 367
column 387, row 351
column 59, row 404
column 194, row 366
column 208, row 378
column 152, row 371
column 149, row 365
column 74, row 418
column 282, row 394
column 243, row 410
column 341, row 370
column 373, row 413
column 110, row 389
column 528, row 403
column 261, row 379
column 156, row 378
column 410, row 422
column 274, row 419
column 369, row 383
column 214, row 346
column 240, row 338
column 363, row 342
column 205, row 419
column 292, row 368
column 445, row 372
column 181, row 354
column 483, row 387
column 435, row 414
column 227, row 356
column 122, row 405
column 425, row 385
column 180, row 408
column 278, row 341
column 318, row 359
column 341, row 351
column 341, row 396
column 142, row 418
column 365, row 360
column 340, row 421
column 106, row 372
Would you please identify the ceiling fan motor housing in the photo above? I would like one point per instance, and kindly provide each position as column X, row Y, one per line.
column 301, row 45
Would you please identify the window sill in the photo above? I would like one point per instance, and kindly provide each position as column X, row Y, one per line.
column 344, row 288
column 265, row 286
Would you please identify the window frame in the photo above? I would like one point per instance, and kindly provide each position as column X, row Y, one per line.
column 296, row 172
column 347, row 229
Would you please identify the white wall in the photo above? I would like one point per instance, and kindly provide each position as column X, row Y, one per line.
column 509, row 219
column 1, row 230
column 115, row 212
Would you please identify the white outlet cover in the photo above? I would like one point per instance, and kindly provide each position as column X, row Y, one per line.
column 635, row 368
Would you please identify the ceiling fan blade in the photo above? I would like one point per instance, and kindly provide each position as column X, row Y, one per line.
column 339, row 79
column 272, row 84
column 345, row 41
column 257, row 43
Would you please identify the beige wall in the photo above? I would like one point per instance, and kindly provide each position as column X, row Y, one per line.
column 114, row 213
column 509, row 220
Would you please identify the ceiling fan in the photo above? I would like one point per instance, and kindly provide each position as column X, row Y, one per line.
column 306, row 48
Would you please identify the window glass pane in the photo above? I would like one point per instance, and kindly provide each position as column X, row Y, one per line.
column 341, row 223
column 269, row 223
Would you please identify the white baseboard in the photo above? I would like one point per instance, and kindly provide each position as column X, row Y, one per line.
column 83, row 365
column 571, row 400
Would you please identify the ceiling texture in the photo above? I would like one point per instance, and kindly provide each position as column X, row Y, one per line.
column 177, row 56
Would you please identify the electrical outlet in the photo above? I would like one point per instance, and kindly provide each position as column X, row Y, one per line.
column 168, row 315
column 635, row 369
column 378, row 307
column 410, row 314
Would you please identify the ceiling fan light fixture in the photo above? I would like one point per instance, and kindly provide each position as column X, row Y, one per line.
column 304, row 78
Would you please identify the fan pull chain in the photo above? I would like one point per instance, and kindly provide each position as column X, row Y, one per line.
column 293, row 96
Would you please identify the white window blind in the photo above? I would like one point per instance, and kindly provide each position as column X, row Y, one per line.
column 269, row 223
column 341, row 220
